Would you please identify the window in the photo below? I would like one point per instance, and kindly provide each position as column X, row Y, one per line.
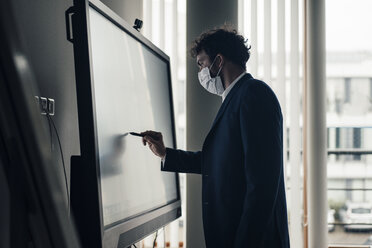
column 349, row 103
column 347, row 92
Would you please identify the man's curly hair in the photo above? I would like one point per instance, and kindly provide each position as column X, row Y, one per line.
column 224, row 40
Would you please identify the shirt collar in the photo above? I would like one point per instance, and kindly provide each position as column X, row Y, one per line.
column 228, row 89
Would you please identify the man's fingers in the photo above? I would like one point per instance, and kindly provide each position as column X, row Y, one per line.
column 150, row 140
column 149, row 132
column 152, row 134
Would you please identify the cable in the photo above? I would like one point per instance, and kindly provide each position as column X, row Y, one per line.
column 134, row 245
column 51, row 136
column 63, row 161
column 156, row 236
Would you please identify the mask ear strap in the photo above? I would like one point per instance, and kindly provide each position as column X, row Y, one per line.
column 218, row 73
column 213, row 63
column 219, row 70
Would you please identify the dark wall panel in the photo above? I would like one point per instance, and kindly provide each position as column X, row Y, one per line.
column 42, row 25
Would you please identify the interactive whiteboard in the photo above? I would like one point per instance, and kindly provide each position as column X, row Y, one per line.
column 131, row 92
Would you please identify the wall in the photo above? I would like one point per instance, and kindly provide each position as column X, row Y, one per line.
column 42, row 25
column 201, row 107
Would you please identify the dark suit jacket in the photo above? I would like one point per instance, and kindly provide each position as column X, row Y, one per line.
column 241, row 162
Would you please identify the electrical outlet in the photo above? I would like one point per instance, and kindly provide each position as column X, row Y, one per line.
column 37, row 101
column 46, row 105
column 43, row 105
column 51, row 106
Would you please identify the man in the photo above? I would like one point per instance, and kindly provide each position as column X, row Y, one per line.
column 241, row 160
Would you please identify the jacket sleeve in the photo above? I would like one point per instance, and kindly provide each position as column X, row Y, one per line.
column 182, row 161
column 261, row 133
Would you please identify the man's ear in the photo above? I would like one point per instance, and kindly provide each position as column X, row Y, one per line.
column 221, row 61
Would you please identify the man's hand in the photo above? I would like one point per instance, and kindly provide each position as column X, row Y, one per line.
column 155, row 141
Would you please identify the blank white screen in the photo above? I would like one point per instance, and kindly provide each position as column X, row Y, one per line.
column 131, row 91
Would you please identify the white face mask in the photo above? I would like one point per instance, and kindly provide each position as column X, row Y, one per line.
column 212, row 85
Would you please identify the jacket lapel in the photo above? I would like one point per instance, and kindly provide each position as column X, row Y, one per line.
column 228, row 99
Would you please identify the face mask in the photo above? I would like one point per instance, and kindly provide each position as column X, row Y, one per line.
column 212, row 85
